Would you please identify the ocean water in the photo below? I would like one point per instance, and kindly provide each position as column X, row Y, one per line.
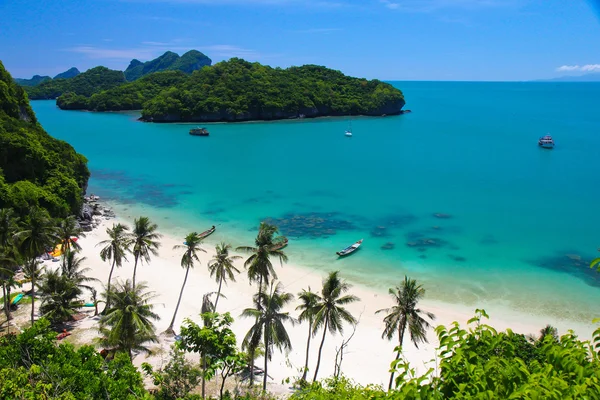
column 456, row 194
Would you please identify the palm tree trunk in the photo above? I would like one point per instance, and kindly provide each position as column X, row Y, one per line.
column 112, row 268
column 32, row 296
column 170, row 328
column 251, row 367
column 218, row 293
column 6, row 302
column 321, row 348
column 266, row 360
column 400, row 340
column 134, row 271
column 307, row 349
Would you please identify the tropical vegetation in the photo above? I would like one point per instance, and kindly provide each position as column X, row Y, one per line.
column 36, row 170
column 405, row 314
column 237, row 90
column 222, row 268
column 84, row 84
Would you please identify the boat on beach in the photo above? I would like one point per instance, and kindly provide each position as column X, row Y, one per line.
column 546, row 142
column 281, row 245
column 199, row 131
column 350, row 249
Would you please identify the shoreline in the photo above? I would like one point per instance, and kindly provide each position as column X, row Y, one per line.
column 367, row 357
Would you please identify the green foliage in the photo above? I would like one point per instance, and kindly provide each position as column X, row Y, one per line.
column 35, row 169
column 70, row 73
column 214, row 341
column 237, row 90
column 176, row 379
column 87, row 83
column 59, row 296
column 33, row 366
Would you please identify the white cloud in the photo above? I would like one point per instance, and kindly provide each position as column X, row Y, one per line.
column 579, row 68
column 150, row 49
column 434, row 5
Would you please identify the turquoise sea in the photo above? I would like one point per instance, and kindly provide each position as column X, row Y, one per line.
column 519, row 225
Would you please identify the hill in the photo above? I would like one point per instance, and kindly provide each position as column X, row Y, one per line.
column 35, row 80
column 87, row 83
column 70, row 73
column 35, row 168
column 189, row 62
column 237, row 90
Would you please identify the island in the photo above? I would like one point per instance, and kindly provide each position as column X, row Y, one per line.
column 238, row 90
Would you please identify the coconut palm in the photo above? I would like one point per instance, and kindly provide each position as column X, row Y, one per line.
column 259, row 264
column 68, row 229
column 329, row 312
column 269, row 322
column 309, row 301
column 33, row 272
column 222, row 268
column 9, row 260
column 8, row 226
column 115, row 249
column 39, row 233
column 190, row 254
column 127, row 325
column 72, row 268
column 144, row 240
column 405, row 314
column 59, row 296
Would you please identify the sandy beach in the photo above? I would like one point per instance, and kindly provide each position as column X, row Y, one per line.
column 367, row 357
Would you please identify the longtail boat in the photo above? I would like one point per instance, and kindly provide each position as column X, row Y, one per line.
column 207, row 232
column 350, row 249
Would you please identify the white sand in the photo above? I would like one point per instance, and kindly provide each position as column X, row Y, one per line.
column 367, row 357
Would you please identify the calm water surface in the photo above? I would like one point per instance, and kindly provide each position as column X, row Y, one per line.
column 519, row 224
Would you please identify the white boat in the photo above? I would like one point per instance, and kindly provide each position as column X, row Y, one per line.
column 349, row 130
column 546, row 142
column 350, row 249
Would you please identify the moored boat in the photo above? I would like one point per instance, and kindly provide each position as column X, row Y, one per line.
column 204, row 234
column 350, row 249
column 199, row 132
column 546, row 142
column 207, row 232
column 281, row 245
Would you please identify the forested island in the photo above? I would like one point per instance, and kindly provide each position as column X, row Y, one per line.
column 35, row 168
column 238, row 90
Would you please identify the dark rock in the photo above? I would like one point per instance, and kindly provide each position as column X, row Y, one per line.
column 388, row 246
column 442, row 216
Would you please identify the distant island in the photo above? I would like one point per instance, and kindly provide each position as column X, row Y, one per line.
column 237, row 90
column 37, row 79
column 188, row 89
column 101, row 78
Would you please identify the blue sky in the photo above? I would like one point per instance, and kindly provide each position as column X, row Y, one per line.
column 385, row 39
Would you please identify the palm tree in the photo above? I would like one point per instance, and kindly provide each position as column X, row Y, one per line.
column 192, row 247
column 8, row 226
column 269, row 322
column 68, row 229
column 39, row 232
column 259, row 264
column 309, row 301
column 127, row 324
column 32, row 272
column 222, row 268
column 60, row 297
column 72, row 269
column 115, row 249
column 329, row 313
column 405, row 314
column 144, row 240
